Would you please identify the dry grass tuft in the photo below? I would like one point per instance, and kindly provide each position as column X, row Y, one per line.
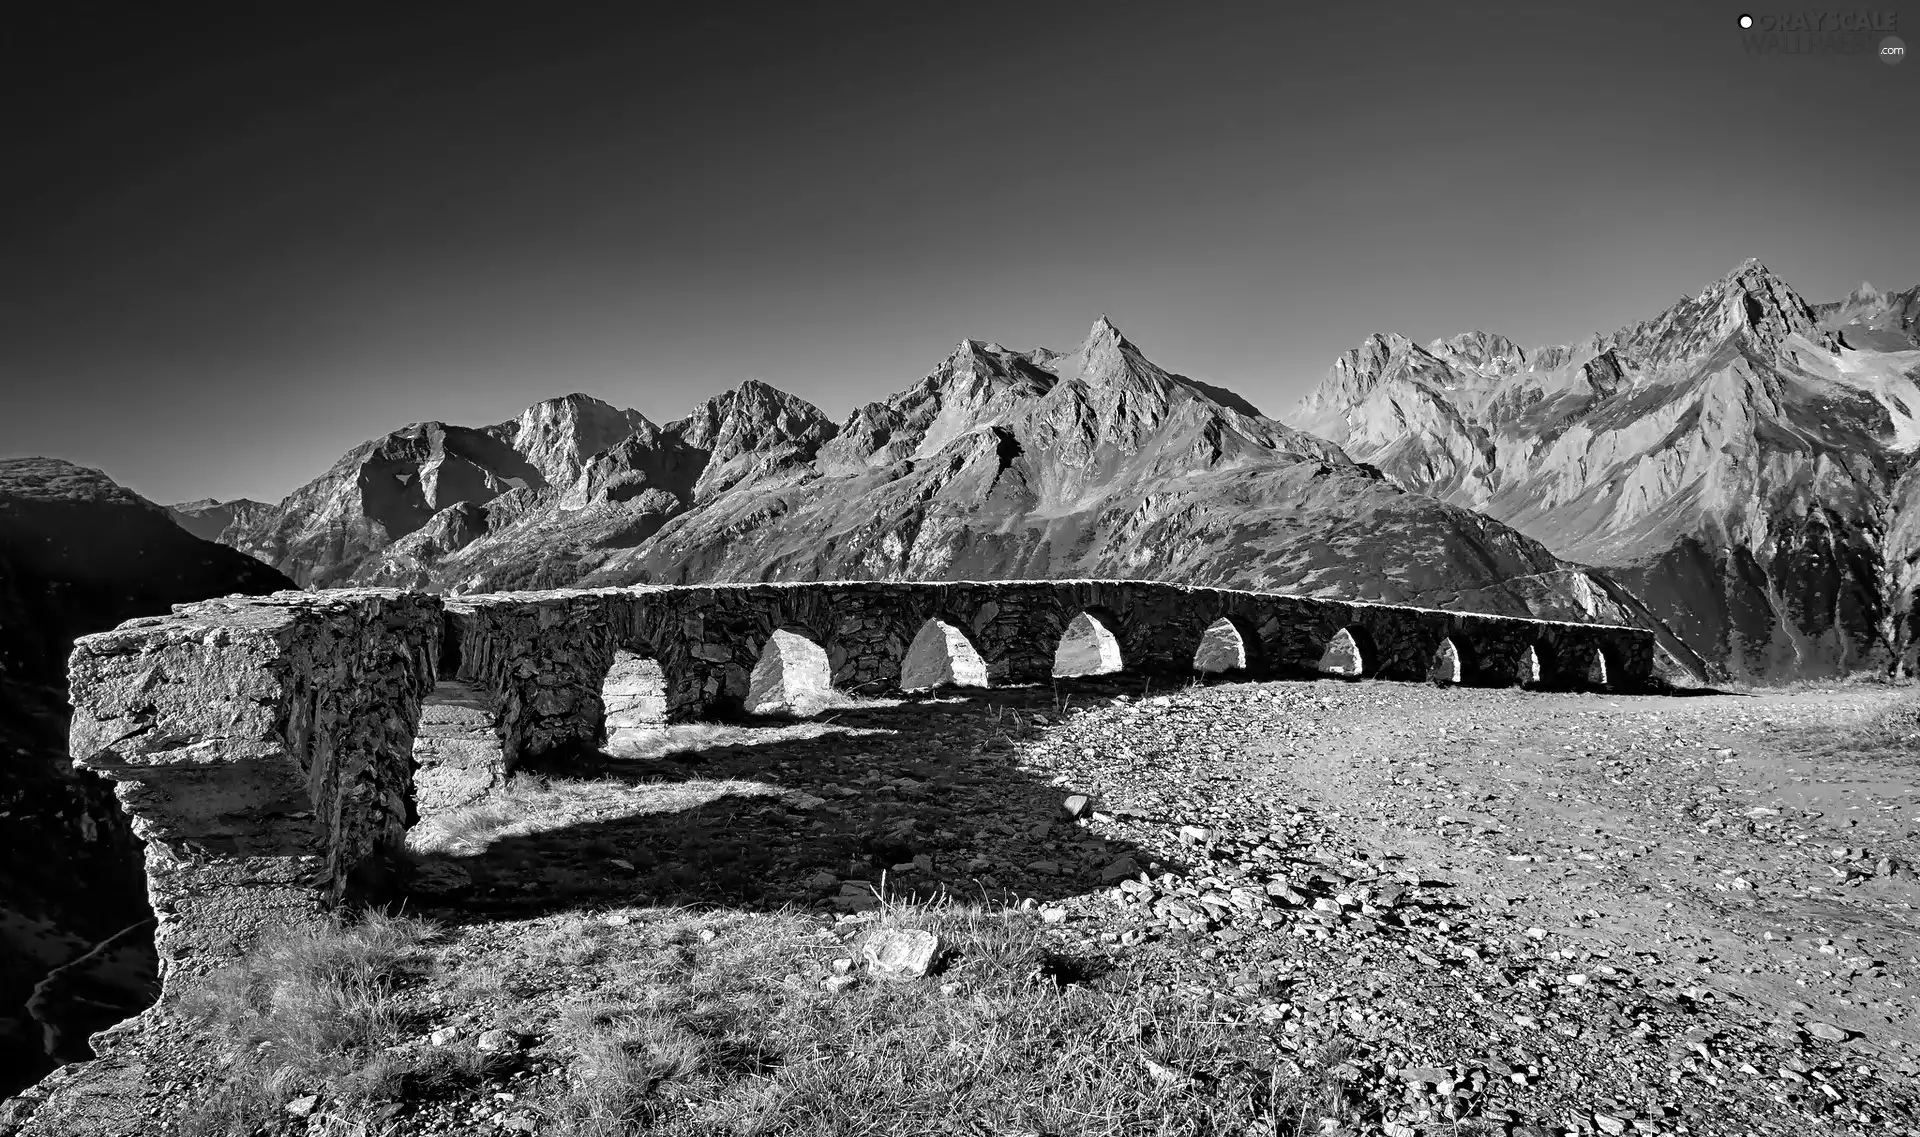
column 1890, row 735
column 533, row 803
column 654, row 742
column 783, row 723
column 677, row 1022
column 312, row 994
column 739, row 1035
column 315, row 1009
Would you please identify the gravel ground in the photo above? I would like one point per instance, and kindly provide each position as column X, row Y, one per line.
column 1504, row 912
column 1574, row 911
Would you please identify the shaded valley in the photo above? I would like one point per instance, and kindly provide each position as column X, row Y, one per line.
column 78, row 554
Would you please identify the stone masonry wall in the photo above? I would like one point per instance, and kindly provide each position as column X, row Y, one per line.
column 544, row 655
column 265, row 747
column 262, row 747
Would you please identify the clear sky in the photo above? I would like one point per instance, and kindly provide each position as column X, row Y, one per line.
column 234, row 247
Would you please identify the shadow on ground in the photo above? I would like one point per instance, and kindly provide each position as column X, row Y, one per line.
column 915, row 798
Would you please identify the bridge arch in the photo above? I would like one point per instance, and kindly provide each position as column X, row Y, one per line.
column 791, row 677
column 942, row 655
column 1447, row 667
column 633, row 695
column 1591, row 668
column 1226, row 646
column 1538, row 667
column 1350, row 654
column 1088, row 646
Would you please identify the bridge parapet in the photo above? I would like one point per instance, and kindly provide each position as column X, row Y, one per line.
column 545, row 655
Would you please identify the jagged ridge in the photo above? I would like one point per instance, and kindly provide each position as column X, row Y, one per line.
column 999, row 463
column 1732, row 459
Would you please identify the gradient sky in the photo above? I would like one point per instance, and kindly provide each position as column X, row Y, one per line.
column 234, row 248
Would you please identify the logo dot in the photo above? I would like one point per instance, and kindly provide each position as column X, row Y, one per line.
column 1746, row 21
column 1892, row 50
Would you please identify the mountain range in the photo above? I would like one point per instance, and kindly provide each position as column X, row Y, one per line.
column 1743, row 461
column 1733, row 471
column 999, row 463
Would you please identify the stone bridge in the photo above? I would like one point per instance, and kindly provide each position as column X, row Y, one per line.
column 267, row 747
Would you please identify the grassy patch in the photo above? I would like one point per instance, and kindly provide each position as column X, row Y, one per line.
column 1890, row 734
column 1894, row 733
column 670, row 1021
column 741, row 1034
column 534, row 803
column 819, row 700
column 316, row 1010
column 649, row 743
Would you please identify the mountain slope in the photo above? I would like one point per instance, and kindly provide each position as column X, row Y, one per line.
column 1102, row 464
column 78, row 554
column 207, row 518
column 397, row 486
column 998, row 463
column 736, row 446
column 1731, row 460
column 1873, row 320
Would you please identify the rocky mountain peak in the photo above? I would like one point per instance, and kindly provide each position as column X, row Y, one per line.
column 58, row 481
column 1767, row 306
column 972, row 356
column 984, row 369
column 753, row 410
column 1724, row 458
column 1874, row 320
column 1353, row 377
column 750, row 431
column 558, row 436
column 1106, row 356
column 1488, row 353
column 207, row 518
column 1120, row 378
column 975, row 386
column 1376, row 349
column 1117, row 415
column 1750, row 303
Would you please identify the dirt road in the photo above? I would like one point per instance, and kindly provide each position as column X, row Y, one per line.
column 1594, row 862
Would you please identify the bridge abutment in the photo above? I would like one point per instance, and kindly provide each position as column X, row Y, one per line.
column 262, row 746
